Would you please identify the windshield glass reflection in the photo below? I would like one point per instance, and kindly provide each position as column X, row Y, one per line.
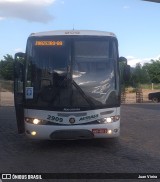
column 78, row 74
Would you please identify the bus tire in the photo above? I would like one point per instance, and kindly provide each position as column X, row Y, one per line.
column 155, row 100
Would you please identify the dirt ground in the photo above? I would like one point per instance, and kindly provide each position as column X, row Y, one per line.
column 7, row 98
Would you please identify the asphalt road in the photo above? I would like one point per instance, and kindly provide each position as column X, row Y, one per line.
column 137, row 150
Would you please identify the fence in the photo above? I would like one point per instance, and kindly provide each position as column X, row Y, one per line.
column 139, row 95
column 152, row 86
column 123, row 96
column 136, row 95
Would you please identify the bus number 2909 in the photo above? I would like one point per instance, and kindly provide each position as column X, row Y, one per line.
column 53, row 118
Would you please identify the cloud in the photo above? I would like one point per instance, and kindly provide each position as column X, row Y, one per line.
column 18, row 50
column 132, row 61
column 2, row 18
column 30, row 10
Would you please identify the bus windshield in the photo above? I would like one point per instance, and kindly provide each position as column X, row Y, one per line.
column 71, row 73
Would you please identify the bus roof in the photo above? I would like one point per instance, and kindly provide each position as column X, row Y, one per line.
column 73, row 32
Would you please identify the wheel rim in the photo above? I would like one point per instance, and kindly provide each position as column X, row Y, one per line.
column 155, row 100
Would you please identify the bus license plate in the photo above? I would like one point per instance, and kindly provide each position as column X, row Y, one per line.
column 102, row 130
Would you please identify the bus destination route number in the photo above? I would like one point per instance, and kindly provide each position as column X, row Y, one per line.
column 49, row 43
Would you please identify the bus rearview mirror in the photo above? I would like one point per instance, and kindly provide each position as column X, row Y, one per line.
column 19, row 55
column 18, row 70
column 126, row 74
column 122, row 60
column 19, row 65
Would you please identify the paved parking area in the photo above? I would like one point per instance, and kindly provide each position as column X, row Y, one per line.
column 136, row 151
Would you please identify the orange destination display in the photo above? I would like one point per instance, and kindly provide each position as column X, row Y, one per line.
column 49, row 43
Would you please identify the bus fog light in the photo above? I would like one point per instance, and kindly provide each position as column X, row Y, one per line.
column 115, row 130
column 36, row 121
column 33, row 133
column 109, row 132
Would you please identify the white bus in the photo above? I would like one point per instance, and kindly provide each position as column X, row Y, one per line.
column 67, row 86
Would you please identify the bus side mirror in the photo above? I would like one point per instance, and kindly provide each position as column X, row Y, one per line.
column 124, row 69
column 127, row 73
column 18, row 70
column 19, row 55
column 19, row 66
column 122, row 60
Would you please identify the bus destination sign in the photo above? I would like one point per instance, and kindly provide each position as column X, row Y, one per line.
column 48, row 43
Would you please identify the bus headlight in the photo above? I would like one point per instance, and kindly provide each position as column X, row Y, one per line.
column 36, row 121
column 109, row 119
column 33, row 133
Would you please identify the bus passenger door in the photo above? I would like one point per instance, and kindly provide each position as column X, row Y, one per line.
column 19, row 91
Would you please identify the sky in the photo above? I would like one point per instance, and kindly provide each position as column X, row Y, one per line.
column 135, row 23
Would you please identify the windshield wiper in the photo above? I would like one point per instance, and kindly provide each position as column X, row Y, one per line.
column 55, row 91
column 89, row 101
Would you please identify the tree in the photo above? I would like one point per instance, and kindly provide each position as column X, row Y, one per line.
column 139, row 75
column 153, row 70
column 6, row 67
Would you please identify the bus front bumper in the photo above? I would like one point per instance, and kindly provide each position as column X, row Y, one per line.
column 72, row 132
